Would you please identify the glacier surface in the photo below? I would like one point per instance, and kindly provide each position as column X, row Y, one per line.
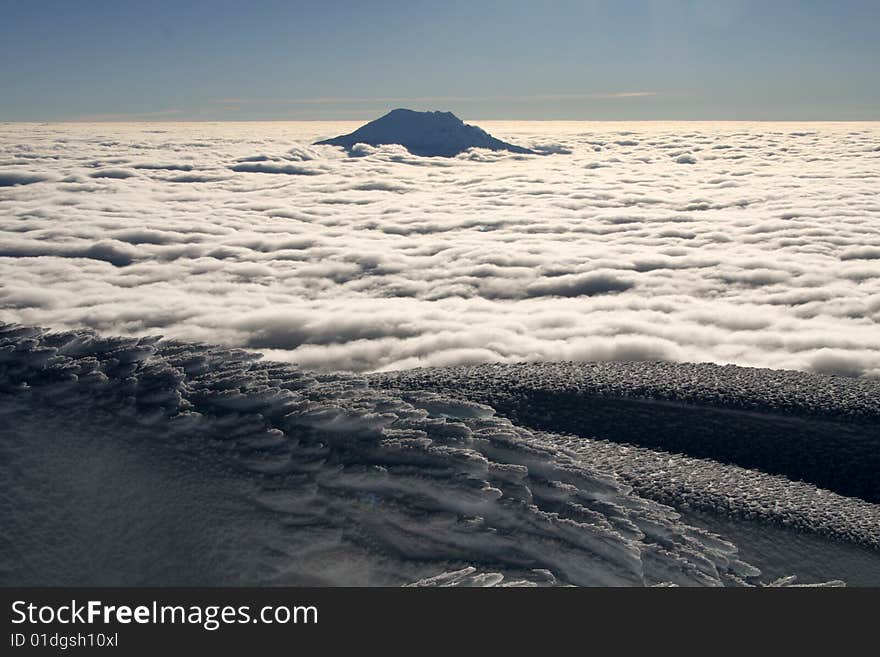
column 145, row 461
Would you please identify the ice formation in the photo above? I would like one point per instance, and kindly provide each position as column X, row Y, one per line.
column 820, row 429
column 136, row 460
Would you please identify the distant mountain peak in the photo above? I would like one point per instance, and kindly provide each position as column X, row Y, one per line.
column 428, row 134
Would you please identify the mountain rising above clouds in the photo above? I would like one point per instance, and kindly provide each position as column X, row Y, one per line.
column 428, row 134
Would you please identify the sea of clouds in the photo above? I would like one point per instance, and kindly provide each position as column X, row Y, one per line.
column 749, row 243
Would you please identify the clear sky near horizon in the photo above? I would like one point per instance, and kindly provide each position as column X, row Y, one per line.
column 342, row 59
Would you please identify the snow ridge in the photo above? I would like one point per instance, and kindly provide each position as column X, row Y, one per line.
column 823, row 430
column 291, row 478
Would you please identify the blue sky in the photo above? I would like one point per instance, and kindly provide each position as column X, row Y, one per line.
column 335, row 59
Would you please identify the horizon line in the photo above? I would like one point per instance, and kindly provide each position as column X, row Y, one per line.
column 519, row 120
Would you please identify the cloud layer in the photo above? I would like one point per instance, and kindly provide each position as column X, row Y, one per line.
column 756, row 244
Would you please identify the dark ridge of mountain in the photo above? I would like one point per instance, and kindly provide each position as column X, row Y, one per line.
column 823, row 430
column 427, row 134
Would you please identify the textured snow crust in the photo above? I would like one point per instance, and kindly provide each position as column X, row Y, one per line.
column 823, row 430
column 205, row 465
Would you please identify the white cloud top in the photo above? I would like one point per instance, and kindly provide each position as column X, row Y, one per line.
column 757, row 244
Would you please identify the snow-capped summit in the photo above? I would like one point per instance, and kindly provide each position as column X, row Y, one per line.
column 428, row 134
